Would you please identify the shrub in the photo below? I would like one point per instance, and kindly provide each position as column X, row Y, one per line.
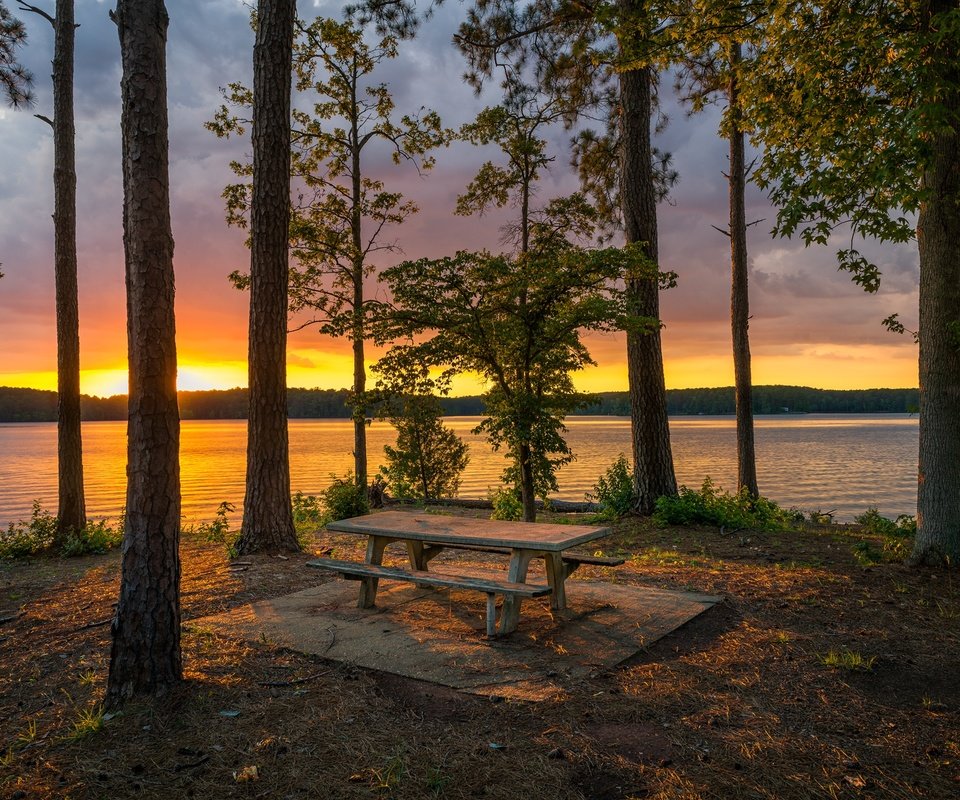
column 713, row 506
column 897, row 535
column 506, row 504
column 613, row 491
column 95, row 538
column 429, row 458
column 307, row 510
column 38, row 536
column 343, row 499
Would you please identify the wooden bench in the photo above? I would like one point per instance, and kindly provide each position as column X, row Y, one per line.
column 571, row 560
column 353, row 570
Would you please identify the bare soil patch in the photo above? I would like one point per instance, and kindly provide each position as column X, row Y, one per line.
column 738, row 703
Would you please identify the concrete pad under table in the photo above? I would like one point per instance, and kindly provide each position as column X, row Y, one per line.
column 437, row 636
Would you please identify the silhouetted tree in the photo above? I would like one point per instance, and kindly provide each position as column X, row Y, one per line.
column 267, row 513
column 145, row 657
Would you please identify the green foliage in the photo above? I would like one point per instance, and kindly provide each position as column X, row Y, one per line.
column 516, row 322
column 307, row 510
column 343, row 499
column 613, row 491
column 712, row 506
column 38, row 537
column 219, row 531
column 16, row 81
column 897, row 536
column 506, row 504
column 429, row 458
column 94, row 538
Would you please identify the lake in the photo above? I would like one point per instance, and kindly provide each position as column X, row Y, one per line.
column 843, row 463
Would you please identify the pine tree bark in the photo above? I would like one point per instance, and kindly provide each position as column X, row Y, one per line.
column 71, row 508
column 145, row 655
column 653, row 473
column 938, row 233
column 267, row 514
column 739, row 292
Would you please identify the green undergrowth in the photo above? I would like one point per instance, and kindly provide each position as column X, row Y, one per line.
column 38, row 537
column 341, row 500
column 710, row 505
column 613, row 491
column 896, row 537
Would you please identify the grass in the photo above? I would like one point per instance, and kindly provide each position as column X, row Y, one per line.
column 848, row 660
column 88, row 721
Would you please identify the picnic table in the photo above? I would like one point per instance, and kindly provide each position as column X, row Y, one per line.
column 427, row 535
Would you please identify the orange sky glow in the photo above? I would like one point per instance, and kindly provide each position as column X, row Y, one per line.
column 809, row 326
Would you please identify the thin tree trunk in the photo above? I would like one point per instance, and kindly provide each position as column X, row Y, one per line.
column 653, row 473
column 739, row 292
column 267, row 513
column 71, row 510
column 145, row 656
column 359, row 367
column 527, row 494
column 938, row 232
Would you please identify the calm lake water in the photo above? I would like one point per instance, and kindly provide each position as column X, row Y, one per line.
column 843, row 463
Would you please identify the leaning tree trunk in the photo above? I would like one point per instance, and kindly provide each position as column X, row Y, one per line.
column 739, row 293
column 145, row 656
column 71, row 511
column 267, row 513
column 938, row 232
column 653, row 473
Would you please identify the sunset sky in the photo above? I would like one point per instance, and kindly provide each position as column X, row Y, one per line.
column 810, row 324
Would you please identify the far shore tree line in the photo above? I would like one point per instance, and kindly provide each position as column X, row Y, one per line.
column 36, row 405
column 855, row 110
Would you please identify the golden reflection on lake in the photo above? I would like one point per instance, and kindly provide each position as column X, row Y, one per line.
column 841, row 463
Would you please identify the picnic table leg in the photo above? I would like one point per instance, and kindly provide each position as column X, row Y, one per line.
column 416, row 555
column 556, row 575
column 368, row 586
column 510, row 615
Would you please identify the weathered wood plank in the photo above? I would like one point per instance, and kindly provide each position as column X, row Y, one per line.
column 457, row 531
column 376, row 571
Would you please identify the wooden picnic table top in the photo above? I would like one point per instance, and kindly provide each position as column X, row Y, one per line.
column 449, row 530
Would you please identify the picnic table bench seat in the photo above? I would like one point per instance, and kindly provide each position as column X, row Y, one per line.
column 571, row 559
column 353, row 570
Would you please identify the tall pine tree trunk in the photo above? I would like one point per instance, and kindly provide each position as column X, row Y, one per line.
column 71, row 509
column 653, row 473
column 739, row 293
column 938, row 500
column 145, row 656
column 267, row 513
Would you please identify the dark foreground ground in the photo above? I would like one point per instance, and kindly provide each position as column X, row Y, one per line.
column 816, row 677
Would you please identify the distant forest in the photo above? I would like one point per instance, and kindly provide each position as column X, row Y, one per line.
column 33, row 405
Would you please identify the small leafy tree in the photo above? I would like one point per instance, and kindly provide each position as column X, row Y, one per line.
column 341, row 214
column 429, row 458
column 516, row 322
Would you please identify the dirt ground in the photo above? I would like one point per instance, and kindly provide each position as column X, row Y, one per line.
column 746, row 701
